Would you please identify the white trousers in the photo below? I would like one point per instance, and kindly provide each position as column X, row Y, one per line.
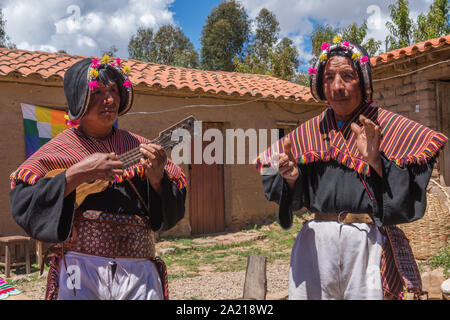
column 99, row 278
column 336, row 261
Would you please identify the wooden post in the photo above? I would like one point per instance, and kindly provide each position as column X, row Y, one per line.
column 27, row 258
column 255, row 286
column 7, row 260
column 39, row 253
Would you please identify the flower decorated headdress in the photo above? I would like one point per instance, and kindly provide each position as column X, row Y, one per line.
column 116, row 64
column 355, row 53
column 82, row 78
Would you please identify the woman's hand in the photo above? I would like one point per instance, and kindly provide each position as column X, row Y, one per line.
column 287, row 165
column 97, row 166
column 154, row 162
column 368, row 141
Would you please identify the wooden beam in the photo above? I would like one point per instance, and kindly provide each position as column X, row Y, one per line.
column 255, row 286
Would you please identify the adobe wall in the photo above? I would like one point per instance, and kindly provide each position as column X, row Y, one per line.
column 413, row 95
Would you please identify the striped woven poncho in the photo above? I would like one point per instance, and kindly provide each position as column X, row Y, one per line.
column 71, row 146
column 402, row 140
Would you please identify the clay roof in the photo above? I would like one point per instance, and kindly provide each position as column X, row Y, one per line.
column 45, row 65
column 410, row 51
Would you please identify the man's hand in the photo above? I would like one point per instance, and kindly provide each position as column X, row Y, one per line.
column 97, row 166
column 154, row 162
column 287, row 166
column 368, row 142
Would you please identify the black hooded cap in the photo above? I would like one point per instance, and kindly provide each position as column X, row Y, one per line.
column 76, row 89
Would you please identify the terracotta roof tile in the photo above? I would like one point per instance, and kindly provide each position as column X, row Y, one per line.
column 409, row 51
column 54, row 65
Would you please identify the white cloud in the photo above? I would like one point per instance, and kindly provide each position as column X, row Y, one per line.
column 298, row 17
column 80, row 26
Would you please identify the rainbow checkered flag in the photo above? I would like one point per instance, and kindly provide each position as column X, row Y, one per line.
column 41, row 124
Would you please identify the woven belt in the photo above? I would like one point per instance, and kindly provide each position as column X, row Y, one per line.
column 111, row 235
column 344, row 217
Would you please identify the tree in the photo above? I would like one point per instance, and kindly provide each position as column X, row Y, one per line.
column 264, row 55
column 285, row 60
column 267, row 29
column 110, row 52
column 172, row 47
column 224, row 35
column 169, row 46
column 356, row 34
column 401, row 26
column 320, row 35
column 4, row 39
column 435, row 23
column 140, row 44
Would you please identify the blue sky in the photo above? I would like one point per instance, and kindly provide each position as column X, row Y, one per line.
column 88, row 28
column 191, row 15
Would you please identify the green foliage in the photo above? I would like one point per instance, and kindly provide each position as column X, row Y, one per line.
column 354, row 33
column 285, row 60
column 172, row 47
column 264, row 55
column 320, row 35
column 168, row 46
column 4, row 39
column 400, row 27
column 441, row 259
column 140, row 44
column 267, row 29
column 435, row 23
column 224, row 35
column 110, row 52
column 281, row 62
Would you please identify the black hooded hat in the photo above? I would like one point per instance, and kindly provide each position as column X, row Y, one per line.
column 76, row 88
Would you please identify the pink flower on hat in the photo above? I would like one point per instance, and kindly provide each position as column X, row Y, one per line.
column 118, row 61
column 312, row 71
column 127, row 84
column 93, row 85
column 346, row 44
column 95, row 63
column 364, row 60
column 325, row 46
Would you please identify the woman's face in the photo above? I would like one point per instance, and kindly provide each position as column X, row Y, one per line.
column 103, row 107
column 341, row 87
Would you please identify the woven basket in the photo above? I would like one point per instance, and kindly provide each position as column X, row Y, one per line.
column 431, row 233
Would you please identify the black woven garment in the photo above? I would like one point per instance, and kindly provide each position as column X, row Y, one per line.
column 76, row 88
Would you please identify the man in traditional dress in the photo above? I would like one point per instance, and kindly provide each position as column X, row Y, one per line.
column 105, row 243
column 360, row 170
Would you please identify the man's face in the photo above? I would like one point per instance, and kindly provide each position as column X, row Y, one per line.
column 103, row 106
column 341, row 87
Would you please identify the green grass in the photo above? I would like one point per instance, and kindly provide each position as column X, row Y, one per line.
column 232, row 257
column 441, row 259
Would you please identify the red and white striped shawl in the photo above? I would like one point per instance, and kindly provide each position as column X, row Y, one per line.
column 71, row 146
column 402, row 140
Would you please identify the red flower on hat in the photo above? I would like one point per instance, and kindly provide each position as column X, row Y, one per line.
column 325, row 46
column 364, row 60
column 127, row 84
column 312, row 71
column 93, row 85
column 95, row 63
